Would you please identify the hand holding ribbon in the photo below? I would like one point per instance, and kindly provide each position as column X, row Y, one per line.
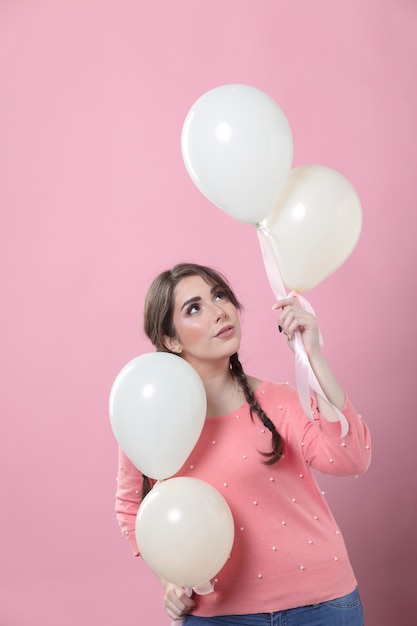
column 305, row 375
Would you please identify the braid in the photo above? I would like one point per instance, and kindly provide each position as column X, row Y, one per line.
column 146, row 486
column 254, row 407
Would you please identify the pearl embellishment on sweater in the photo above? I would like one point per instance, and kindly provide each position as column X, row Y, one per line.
column 289, row 512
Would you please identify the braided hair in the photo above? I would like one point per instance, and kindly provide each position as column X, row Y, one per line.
column 254, row 407
column 158, row 316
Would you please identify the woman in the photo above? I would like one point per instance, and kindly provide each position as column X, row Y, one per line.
column 289, row 562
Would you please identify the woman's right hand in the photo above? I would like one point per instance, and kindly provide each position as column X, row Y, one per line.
column 177, row 602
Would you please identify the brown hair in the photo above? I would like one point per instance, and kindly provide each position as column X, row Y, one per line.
column 158, row 322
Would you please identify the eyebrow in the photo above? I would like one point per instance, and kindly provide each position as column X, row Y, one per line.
column 198, row 298
column 190, row 300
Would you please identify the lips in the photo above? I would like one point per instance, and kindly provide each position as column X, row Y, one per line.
column 225, row 332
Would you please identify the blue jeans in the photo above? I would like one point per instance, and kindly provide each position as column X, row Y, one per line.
column 345, row 611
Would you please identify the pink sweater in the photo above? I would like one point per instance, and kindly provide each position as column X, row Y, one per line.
column 288, row 550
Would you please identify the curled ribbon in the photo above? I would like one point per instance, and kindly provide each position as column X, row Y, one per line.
column 201, row 590
column 305, row 377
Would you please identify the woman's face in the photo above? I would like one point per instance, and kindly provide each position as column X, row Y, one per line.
column 206, row 322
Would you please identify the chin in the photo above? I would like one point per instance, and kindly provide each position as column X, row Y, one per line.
column 233, row 347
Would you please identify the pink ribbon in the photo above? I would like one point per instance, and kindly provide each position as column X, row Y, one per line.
column 305, row 377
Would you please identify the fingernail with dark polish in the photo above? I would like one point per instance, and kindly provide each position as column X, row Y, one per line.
column 280, row 328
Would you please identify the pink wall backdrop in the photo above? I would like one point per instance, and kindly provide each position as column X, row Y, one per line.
column 95, row 200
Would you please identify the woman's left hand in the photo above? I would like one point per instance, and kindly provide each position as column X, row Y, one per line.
column 294, row 318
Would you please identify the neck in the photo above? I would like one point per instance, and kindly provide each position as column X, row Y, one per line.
column 222, row 390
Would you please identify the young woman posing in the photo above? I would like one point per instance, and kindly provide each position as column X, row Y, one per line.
column 289, row 563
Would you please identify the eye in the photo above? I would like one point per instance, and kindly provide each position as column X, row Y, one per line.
column 220, row 295
column 193, row 308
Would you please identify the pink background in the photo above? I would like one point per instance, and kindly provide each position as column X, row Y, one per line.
column 95, row 200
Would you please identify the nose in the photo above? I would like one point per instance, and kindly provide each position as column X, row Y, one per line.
column 220, row 312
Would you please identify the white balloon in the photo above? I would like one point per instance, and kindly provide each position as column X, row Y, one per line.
column 237, row 148
column 157, row 410
column 315, row 225
column 185, row 531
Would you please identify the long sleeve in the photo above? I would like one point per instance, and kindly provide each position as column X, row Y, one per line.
column 128, row 498
column 328, row 452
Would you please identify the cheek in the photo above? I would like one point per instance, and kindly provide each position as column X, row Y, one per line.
column 236, row 317
column 190, row 330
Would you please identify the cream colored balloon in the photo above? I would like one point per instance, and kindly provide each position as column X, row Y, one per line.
column 185, row 531
column 315, row 225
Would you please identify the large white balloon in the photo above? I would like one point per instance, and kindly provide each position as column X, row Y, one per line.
column 315, row 225
column 185, row 531
column 237, row 148
column 157, row 410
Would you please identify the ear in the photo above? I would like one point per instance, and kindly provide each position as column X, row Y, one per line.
column 172, row 344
